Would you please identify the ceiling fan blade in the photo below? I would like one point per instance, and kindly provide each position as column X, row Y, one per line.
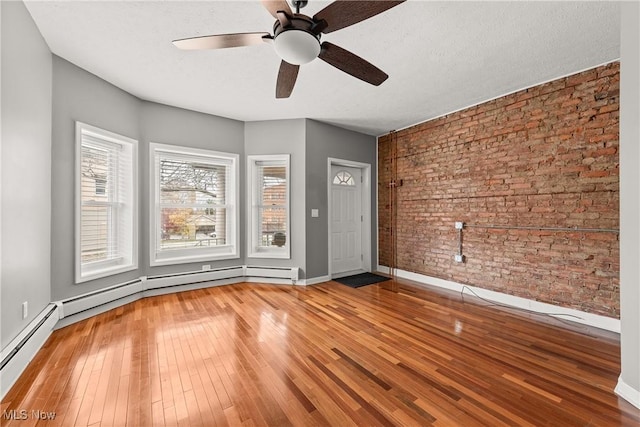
column 341, row 14
column 286, row 79
column 222, row 41
column 351, row 64
column 274, row 6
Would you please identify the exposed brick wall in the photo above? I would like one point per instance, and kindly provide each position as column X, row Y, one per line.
column 542, row 157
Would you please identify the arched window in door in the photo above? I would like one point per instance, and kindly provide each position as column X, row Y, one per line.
column 343, row 178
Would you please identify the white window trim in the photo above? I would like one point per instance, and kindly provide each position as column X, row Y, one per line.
column 192, row 255
column 252, row 220
column 110, row 267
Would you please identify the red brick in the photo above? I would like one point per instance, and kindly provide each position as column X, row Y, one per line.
column 543, row 157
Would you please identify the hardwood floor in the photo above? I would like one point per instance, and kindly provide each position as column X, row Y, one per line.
column 385, row 354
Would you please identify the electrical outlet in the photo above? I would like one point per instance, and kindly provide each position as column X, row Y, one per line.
column 206, row 267
column 459, row 225
column 25, row 309
column 458, row 258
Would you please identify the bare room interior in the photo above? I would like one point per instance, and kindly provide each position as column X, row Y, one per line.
column 319, row 213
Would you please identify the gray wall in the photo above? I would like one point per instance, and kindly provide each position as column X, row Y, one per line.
column 163, row 124
column 79, row 95
column 25, row 162
column 283, row 137
column 630, row 196
column 324, row 141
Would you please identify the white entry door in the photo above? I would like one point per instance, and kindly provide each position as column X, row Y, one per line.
column 346, row 220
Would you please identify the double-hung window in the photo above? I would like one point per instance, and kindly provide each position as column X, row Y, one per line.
column 106, row 207
column 269, row 223
column 194, row 214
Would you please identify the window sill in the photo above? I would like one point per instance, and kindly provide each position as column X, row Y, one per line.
column 192, row 259
column 97, row 273
column 275, row 254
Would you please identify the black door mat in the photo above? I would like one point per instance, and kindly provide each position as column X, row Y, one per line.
column 362, row 279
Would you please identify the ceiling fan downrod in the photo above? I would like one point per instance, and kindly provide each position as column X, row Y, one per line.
column 299, row 4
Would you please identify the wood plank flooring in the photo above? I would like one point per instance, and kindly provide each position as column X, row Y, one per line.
column 385, row 354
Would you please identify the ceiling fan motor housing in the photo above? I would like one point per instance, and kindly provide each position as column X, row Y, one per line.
column 295, row 42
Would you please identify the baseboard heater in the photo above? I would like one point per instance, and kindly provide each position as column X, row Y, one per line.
column 289, row 273
column 11, row 352
column 15, row 357
column 88, row 301
column 137, row 287
column 192, row 277
column 18, row 353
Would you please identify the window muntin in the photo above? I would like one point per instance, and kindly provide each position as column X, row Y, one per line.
column 194, row 212
column 269, row 226
column 106, row 237
column 343, row 178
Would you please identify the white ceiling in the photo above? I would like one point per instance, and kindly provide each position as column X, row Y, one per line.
column 440, row 56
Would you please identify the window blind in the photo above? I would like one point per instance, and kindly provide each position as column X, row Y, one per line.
column 272, row 203
column 268, row 225
column 106, row 201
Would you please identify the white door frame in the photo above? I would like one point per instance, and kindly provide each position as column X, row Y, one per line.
column 365, row 168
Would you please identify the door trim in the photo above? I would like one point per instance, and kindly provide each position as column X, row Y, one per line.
column 365, row 168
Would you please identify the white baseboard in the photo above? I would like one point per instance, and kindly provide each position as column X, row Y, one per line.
column 577, row 316
column 21, row 350
column 628, row 393
column 383, row 269
column 315, row 280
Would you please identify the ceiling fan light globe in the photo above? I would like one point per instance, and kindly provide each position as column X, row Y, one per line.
column 297, row 47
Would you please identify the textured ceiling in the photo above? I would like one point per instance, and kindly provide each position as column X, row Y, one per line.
column 440, row 56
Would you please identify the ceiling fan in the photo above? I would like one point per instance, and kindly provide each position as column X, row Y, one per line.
column 296, row 39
